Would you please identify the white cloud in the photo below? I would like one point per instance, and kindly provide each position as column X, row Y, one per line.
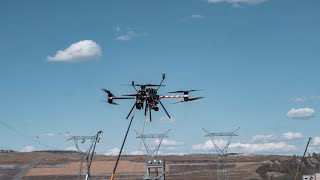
column 166, row 119
column 28, row 148
column 237, row 3
column 137, row 153
column 301, row 113
column 316, row 141
column 264, row 138
column 305, row 98
column 208, row 145
column 45, row 135
column 127, row 36
column 299, row 99
column 292, row 135
column 197, row 16
column 314, row 149
column 112, row 152
column 166, row 142
column 82, row 50
column 72, row 148
column 247, row 147
column 263, row 147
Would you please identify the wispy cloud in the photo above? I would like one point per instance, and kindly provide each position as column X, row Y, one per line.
column 264, row 138
column 138, row 153
column 192, row 17
column 278, row 147
column 197, row 16
column 301, row 113
column 305, row 98
column 166, row 119
column 79, row 51
column 237, row 3
column 112, row 152
column 72, row 148
column 28, row 148
column 166, row 142
column 48, row 135
column 272, row 147
column 316, row 141
column 128, row 34
column 292, row 135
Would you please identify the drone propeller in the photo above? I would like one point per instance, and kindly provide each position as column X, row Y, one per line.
column 192, row 90
column 149, row 85
column 190, row 99
column 108, row 92
column 111, row 103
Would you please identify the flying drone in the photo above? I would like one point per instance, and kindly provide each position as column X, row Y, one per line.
column 147, row 97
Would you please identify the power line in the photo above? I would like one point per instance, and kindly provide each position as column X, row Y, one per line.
column 11, row 128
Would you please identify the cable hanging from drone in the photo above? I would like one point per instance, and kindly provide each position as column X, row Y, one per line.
column 147, row 97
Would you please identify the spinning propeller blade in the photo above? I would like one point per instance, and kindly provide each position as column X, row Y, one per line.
column 108, row 92
column 112, row 103
column 149, row 85
column 192, row 90
column 190, row 99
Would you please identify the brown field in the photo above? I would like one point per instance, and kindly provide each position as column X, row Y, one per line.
column 65, row 165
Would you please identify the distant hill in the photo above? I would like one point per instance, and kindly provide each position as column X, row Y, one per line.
column 6, row 151
column 286, row 169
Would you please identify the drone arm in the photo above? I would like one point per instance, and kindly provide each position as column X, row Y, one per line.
column 164, row 109
column 133, row 85
column 163, row 77
column 174, row 96
column 146, row 109
column 150, row 113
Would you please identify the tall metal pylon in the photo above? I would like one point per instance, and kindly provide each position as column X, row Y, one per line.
column 86, row 155
column 222, row 164
column 153, row 163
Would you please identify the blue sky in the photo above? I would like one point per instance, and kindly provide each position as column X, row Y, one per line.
column 258, row 61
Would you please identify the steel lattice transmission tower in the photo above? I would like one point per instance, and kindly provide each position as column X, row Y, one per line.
column 86, row 155
column 222, row 164
column 153, row 162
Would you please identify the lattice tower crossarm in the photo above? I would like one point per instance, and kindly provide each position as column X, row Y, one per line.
column 160, row 137
column 86, row 155
column 222, row 164
column 153, row 164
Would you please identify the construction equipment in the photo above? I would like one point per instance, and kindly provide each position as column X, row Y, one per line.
column 304, row 154
column 124, row 140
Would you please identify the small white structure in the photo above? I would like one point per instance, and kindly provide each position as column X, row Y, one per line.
column 308, row 177
column 311, row 177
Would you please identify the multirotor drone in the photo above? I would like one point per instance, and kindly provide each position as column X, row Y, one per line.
column 147, row 97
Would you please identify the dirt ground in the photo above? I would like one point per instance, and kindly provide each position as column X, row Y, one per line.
column 66, row 165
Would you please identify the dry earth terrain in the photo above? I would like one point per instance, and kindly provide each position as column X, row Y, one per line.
column 65, row 165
